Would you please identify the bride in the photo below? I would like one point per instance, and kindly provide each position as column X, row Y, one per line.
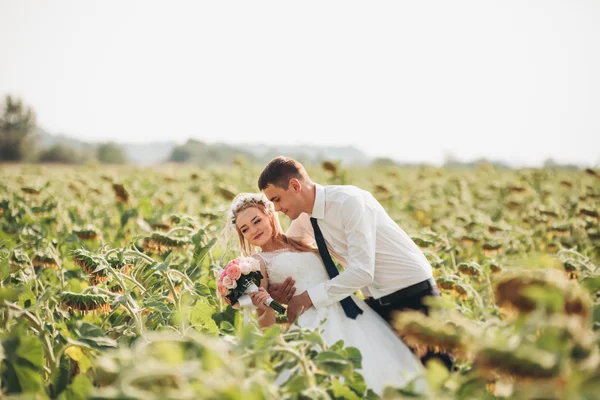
column 386, row 360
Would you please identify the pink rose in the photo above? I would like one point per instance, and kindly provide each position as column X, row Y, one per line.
column 234, row 272
column 223, row 291
column 235, row 261
column 229, row 283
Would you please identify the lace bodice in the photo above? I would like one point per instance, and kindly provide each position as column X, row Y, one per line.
column 305, row 268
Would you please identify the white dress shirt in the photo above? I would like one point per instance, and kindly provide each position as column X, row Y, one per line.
column 379, row 258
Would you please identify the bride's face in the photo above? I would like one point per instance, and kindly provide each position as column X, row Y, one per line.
column 254, row 226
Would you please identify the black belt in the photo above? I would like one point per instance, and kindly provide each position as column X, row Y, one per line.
column 407, row 292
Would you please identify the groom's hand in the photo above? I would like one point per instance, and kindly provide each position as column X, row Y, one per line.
column 283, row 292
column 297, row 305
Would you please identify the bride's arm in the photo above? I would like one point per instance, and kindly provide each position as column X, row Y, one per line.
column 266, row 316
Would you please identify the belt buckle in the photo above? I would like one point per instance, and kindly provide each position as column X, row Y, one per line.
column 382, row 303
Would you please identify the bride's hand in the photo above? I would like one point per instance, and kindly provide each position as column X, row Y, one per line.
column 259, row 298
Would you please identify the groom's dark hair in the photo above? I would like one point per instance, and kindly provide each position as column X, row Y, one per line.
column 279, row 171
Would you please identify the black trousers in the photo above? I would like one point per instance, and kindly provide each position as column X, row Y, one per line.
column 414, row 302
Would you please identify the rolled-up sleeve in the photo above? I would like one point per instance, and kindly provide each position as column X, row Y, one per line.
column 360, row 227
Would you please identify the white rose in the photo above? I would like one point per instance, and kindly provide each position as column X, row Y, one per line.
column 255, row 265
column 229, row 283
column 246, row 267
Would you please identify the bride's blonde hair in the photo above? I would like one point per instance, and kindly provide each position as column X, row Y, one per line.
column 244, row 201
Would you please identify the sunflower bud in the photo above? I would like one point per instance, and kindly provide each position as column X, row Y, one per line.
column 518, row 189
column 422, row 332
column 571, row 270
column 512, row 290
column 86, row 303
column 470, row 269
column 469, row 240
column 160, row 227
column 524, row 362
column 161, row 243
column 124, row 265
column 30, row 190
column 44, row 261
column 461, row 290
column 423, row 242
column 589, row 212
column 495, row 228
column 495, row 268
column 92, row 265
column 88, row 233
column 593, row 234
column 121, row 194
column 492, row 248
column 226, row 193
column 566, row 184
column 72, row 187
column 452, row 285
column 444, row 283
column 210, row 216
column 553, row 247
column 549, row 213
column 329, row 166
column 560, row 229
column 514, row 204
column 382, row 189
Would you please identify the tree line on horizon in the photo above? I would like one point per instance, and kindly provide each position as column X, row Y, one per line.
column 20, row 142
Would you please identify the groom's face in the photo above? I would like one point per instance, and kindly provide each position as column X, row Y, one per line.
column 285, row 201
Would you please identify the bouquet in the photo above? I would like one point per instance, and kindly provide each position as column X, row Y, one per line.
column 241, row 277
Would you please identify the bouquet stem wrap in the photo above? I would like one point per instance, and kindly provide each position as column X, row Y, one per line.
column 246, row 301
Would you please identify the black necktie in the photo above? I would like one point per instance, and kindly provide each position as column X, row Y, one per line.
column 349, row 306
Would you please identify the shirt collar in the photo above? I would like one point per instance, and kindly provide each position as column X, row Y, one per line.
column 318, row 211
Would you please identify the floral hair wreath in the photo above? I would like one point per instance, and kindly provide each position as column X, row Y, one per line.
column 244, row 198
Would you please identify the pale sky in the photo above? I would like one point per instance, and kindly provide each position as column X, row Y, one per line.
column 512, row 80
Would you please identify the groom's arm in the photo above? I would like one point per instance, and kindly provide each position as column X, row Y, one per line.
column 359, row 220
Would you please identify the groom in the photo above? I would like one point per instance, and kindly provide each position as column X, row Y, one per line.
column 379, row 258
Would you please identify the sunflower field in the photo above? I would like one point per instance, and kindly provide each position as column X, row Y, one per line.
column 107, row 285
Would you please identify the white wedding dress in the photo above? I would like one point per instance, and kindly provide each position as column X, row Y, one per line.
column 386, row 360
